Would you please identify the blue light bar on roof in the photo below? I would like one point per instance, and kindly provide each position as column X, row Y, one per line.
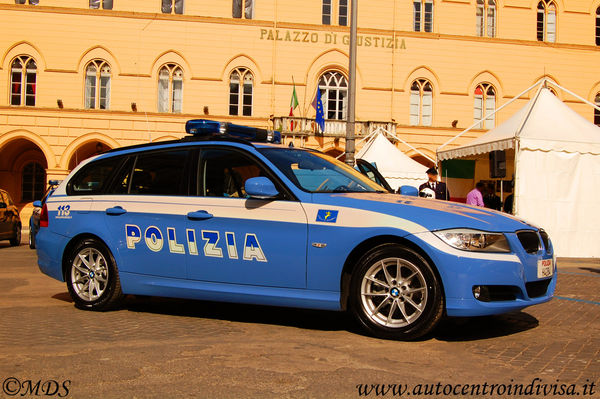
column 208, row 128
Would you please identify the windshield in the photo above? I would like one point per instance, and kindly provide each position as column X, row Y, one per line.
column 319, row 173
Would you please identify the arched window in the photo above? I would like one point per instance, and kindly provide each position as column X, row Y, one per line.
column 486, row 18
column 170, row 88
column 106, row 4
column 33, row 182
column 596, row 111
column 170, row 6
column 241, row 84
column 23, row 77
column 485, row 105
column 421, row 103
column 334, row 94
column 598, row 26
column 97, row 75
column 423, row 15
column 243, row 8
column 546, row 21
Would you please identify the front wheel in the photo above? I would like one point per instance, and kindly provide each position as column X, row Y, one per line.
column 395, row 294
column 92, row 276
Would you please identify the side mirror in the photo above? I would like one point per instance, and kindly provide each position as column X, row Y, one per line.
column 260, row 188
column 2, row 205
column 37, row 204
column 409, row 190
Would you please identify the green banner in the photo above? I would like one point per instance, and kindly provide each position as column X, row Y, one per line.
column 458, row 169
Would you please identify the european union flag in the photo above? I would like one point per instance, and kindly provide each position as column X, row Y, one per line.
column 318, row 105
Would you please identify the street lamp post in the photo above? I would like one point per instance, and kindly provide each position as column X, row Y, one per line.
column 350, row 117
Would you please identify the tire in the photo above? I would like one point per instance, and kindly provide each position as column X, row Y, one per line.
column 92, row 276
column 31, row 240
column 16, row 240
column 392, row 308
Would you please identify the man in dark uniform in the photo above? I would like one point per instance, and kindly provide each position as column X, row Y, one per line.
column 439, row 188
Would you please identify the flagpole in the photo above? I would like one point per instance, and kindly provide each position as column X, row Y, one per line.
column 350, row 120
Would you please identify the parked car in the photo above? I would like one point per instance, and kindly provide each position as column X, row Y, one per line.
column 226, row 215
column 34, row 220
column 10, row 222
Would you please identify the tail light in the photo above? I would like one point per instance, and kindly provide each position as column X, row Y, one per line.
column 44, row 216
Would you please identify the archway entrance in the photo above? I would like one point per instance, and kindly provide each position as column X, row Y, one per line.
column 23, row 170
column 87, row 150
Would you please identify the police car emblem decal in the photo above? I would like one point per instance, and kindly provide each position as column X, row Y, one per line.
column 327, row 216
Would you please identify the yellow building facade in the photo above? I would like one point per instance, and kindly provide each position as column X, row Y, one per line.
column 81, row 76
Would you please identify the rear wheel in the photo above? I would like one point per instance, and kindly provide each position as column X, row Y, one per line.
column 31, row 240
column 92, row 276
column 395, row 294
column 16, row 240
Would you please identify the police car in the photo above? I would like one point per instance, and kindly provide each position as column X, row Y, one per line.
column 226, row 214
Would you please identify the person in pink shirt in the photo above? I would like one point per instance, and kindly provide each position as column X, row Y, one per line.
column 475, row 197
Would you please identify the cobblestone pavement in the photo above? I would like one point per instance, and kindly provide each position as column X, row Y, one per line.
column 158, row 348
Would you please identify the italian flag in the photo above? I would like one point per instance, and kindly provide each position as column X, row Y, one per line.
column 293, row 106
column 459, row 176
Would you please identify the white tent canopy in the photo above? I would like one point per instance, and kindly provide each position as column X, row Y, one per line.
column 397, row 168
column 557, row 171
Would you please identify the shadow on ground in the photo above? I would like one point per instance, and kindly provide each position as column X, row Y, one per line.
column 484, row 327
column 450, row 329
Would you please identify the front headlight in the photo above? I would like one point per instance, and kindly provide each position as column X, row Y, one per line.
column 474, row 240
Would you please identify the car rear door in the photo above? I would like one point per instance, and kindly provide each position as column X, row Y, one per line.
column 238, row 239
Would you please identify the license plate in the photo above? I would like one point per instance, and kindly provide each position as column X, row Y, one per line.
column 545, row 268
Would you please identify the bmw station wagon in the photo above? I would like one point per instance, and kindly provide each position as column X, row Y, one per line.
column 226, row 214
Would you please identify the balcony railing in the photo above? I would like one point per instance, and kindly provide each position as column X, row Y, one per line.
column 292, row 125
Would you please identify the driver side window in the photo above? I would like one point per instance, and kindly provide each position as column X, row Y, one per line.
column 223, row 173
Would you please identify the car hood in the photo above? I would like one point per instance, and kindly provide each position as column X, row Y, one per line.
column 430, row 213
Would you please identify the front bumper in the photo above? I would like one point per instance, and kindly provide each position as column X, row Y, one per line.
column 514, row 272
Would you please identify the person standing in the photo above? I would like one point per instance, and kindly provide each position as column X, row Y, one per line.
column 475, row 196
column 438, row 187
column 490, row 199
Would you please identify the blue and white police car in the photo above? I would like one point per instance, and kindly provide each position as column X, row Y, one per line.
column 224, row 214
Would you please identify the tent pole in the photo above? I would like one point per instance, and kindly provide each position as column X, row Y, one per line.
column 493, row 113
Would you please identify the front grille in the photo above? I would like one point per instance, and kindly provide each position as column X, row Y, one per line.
column 537, row 288
column 545, row 240
column 530, row 241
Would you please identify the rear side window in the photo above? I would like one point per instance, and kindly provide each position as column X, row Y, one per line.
column 154, row 173
column 94, row 177
column 161, row 173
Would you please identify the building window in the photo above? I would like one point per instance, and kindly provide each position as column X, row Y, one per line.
column 546, row 21
column 326, row 12
column 486, row 18
column 596, row 111
column 421, row 103
column 598, row 26
column 423, row 15
column 485, row 105
column 170, row 6
column 334, row 94
column 241, row 84
column 97, row 85
column 33, row 182
column 343, row 13
column 106, row 4
column 32, row 2
column 170, row 88
column 247, row 6
column 23, row 77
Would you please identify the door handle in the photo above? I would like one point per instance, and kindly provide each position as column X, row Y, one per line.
column 116, row 210
column 199, row 215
